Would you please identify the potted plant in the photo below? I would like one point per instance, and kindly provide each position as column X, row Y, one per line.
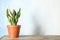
column 13, row 29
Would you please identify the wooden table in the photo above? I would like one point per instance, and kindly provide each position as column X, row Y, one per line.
column 32, row 37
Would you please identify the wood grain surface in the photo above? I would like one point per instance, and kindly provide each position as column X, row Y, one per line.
column 33, row 37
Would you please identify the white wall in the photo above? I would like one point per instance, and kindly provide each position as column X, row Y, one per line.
column 3, row 22
column 53, row 23
column 48, row 16
column 38, row 16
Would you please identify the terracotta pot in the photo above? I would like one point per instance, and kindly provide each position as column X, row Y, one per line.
column 13, row 31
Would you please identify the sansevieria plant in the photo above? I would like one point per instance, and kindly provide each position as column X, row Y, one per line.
column 13, row 17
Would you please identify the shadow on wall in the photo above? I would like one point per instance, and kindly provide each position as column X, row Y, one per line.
column 37, row 28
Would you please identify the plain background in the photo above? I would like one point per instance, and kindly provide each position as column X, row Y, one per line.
column 38, row 17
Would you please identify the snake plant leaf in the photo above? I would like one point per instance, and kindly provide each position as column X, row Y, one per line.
column 18, row 15
column 10, row 20
column 14, row 22
column 7, row 13
column 19, row 12
column 14, row 13
column 11, row 13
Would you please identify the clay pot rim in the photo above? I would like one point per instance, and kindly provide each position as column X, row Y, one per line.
column 13, row 25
